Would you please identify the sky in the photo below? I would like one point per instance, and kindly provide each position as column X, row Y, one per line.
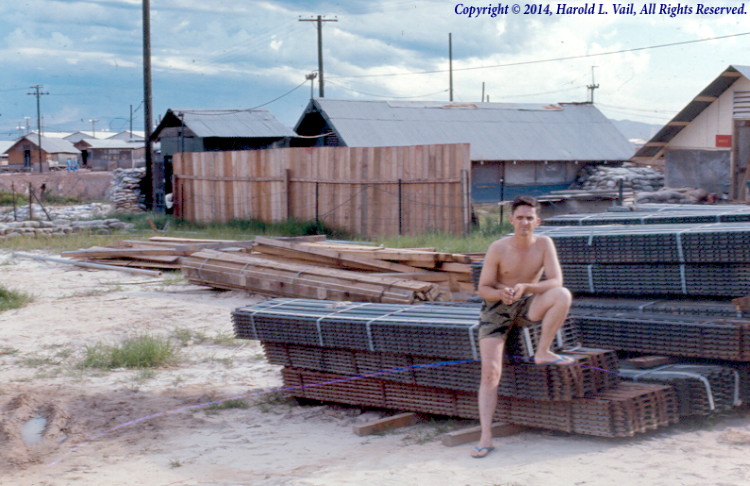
column 241, row 54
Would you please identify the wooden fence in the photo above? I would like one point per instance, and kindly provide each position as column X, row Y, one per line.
column 372, row 191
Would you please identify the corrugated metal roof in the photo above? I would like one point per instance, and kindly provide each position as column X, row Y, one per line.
column 53, row 145
column 232, row 123
column 690, row 112
column 496, row 131
column 110, row 144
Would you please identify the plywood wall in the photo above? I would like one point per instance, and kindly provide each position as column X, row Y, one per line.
column 368, row 191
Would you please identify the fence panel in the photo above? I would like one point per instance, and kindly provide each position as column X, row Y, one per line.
column 373, row 191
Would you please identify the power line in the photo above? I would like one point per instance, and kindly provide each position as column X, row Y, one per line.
column 387, row 96
column 279, row 97
column 540, row 61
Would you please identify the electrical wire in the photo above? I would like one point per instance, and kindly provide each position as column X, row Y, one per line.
column 540, row 61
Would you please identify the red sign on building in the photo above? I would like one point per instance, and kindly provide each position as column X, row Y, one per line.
column 723, row 140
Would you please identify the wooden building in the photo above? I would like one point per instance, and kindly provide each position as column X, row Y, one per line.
column 108, row 155
column 707, row 144
column 515, row 148
column 213, row 130
column 24, row 153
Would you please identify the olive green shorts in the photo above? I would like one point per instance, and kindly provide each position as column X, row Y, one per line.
column 496, row 319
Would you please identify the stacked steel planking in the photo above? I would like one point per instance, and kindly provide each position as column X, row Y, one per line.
column 423, row 358
column 683, row 306
column 429, row 329
column 596, row 370
column 645, row 214
column 622, row 412
column 663, row 333
column 701, row 389
column 709, row 280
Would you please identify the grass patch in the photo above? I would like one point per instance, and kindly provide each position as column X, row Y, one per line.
column 138, row 352
column 13, row 299
column 228, row 404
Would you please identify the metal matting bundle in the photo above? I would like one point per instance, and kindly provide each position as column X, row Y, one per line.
column 443, row 330
column 715, row 280
column 681, row 306
column 677, row 243
column 701, row 389
column 651, row 333
column 629, row 409
column 658, row 214
column 595, row 370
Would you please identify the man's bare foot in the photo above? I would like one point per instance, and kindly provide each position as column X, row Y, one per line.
column 480, row 452
column 553, row 359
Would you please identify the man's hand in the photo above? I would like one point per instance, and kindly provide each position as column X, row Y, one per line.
column 519, row 290
column 507, row 295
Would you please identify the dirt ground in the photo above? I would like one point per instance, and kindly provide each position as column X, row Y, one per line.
column 124, row 427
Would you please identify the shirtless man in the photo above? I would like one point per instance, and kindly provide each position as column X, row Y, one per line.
column 513, row 295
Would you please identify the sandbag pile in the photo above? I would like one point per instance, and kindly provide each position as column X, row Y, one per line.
column 125, row 190
column 634, row 178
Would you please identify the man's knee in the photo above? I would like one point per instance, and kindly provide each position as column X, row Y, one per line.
column 561, row 296
column 491, row 374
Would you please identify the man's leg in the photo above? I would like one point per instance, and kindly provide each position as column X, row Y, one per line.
column 491, row 351
column 551, row 308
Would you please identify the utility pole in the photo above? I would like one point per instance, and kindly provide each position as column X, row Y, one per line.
column 320, row 20
column 93, row 127
column 311, row 77
column 450, row 65
column 591, row 87
column 150, row 173
column 38, row 94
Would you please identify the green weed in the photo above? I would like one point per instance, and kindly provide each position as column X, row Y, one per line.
column 13, row 299
column 139, row 352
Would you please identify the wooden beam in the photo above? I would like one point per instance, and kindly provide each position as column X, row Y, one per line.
column 742, row 303
column 706, row 99
column 471, row 434
column 389, row 423
column 678, row 124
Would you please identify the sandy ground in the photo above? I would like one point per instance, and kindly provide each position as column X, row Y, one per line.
column 124, row 427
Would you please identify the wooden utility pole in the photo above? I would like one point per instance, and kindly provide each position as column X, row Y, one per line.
column 151, row 177
column 593, row 86
column 450, row 65
column 320, row 20
column 38, row 94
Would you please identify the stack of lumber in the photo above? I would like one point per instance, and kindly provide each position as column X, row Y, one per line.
column 302, row 267
column 452, row 270
column 160, row 252
column 271, row 277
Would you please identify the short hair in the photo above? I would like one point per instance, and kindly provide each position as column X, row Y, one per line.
column 524, row 201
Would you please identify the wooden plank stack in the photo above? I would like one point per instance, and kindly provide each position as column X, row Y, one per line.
column 260, row 275
column 301, row 267
column 158, row 252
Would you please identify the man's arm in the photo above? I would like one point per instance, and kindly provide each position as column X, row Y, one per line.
column 489, row 286
column 552, row 270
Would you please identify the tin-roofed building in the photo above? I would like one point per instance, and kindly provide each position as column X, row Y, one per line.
column 24, row 153
column 111, row 154
column 707, row 144
column 209, row 130
column 515, row 148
